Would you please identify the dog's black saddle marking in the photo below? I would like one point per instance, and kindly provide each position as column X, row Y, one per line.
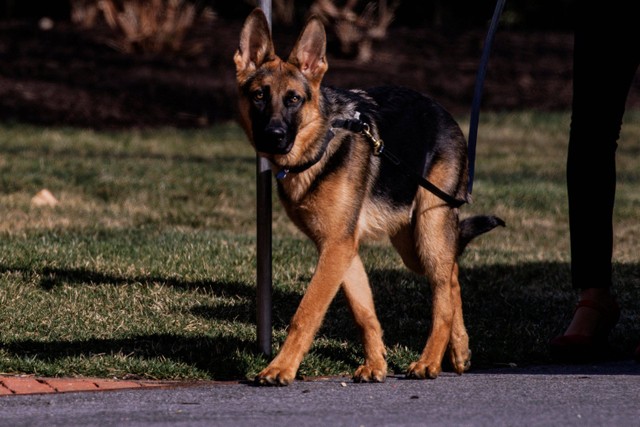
column 358, row 126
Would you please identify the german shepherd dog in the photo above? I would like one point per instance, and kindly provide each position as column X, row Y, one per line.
column 324, row 145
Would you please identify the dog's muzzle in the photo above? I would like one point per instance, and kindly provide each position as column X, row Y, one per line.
column 274, row 140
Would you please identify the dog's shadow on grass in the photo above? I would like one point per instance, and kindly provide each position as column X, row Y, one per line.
column 511, row 311
column 216, row 356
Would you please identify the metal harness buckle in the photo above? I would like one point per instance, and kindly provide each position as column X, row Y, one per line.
column 378, row 145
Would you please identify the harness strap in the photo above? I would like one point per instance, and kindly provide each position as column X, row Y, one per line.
column 358, row 126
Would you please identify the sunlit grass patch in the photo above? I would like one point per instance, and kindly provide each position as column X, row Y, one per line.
column 145, row 267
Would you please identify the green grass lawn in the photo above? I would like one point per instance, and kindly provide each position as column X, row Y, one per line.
column 146, row 266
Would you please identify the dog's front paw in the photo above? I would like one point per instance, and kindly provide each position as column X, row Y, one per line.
column 275, row 376
column 370, row 374
column 421, row 370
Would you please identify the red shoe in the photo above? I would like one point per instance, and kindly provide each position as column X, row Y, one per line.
column 574, row 348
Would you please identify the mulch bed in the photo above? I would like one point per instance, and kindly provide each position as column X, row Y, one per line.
column 68, row 76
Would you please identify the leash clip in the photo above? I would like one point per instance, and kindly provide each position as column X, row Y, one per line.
column 378, row 145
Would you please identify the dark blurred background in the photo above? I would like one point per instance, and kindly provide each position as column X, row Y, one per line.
column 458, row 14
column 122, row 63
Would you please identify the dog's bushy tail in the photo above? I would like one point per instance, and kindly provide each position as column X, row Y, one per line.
column 474, row 226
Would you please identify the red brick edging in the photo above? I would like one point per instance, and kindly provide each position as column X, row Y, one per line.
column 14, row 385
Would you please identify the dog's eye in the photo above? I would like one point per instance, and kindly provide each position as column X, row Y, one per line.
column 293, row 99
column 258, row 95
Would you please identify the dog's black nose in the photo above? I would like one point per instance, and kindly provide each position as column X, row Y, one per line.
column 276, row 134
column 275, row 139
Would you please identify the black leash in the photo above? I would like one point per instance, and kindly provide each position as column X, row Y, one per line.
column 358, row 126
column 477, row 95
column 378, row 146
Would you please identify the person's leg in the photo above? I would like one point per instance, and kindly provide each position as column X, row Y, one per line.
column 602, row 78
column 603, row 73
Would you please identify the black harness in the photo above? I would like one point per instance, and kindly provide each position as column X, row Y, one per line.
column 358, row 126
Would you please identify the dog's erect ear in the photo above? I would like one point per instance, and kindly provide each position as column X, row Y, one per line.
column 256, row 46
column 309, row 52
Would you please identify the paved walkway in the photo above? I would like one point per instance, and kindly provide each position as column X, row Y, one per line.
column 31, row 384
column 601, row 395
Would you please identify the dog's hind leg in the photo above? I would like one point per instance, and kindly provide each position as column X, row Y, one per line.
column 358, row 293
column 405, row 244
column 435, row 234
column 333, row 262
column 459, row 343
